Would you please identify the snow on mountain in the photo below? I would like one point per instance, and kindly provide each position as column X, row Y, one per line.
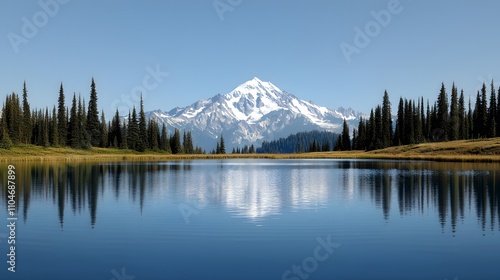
column 254, row 111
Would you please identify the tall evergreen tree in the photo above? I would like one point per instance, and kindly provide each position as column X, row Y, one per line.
column 5, row 142
column 399, row 132
column 165, row 145
column 124, row 133
column 428, row 123
column 115, row 132
column 84, row 138
column 370, row 132
column 497, row 120
column 409, row 129
column 153, row 135
column 484, row 112
column 222, row 145
column 346, row 141
column 53, row 130
column 175, row 142
column 378, row 128
column 143, row 141
column 462, row 117
column 454, row 115
column 492, row 113
column 14, row 117
column 104, row 132
column 417, row 123
column 422, row 121
column 62, row 118
column 386, row 131
column 45, row 134
column 133, row 136
column 27, row 125
column 470, row 121
column 93, row 125
column 360, row 143
column 442, row 113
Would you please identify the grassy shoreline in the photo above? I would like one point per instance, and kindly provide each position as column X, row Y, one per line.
column 484, row 150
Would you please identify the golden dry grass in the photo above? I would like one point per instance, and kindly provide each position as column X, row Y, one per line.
column 484, row 150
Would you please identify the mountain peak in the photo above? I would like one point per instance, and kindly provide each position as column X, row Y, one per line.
column 256, row 86
column 251, row 113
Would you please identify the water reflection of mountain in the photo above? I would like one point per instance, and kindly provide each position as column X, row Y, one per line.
column 453, row 190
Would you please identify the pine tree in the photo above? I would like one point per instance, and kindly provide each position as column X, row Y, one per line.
column 346, row 141
column 27, row 125
column 184, row 142
column 462, row 118
column 188, row 143
column 153, row 132
column 361, row 139
column 142, row 141
column 453, row 130
column 378, row 144
column 14, row 117
column 387, row 134
column 399, row 132
column 492, row 113
column 115, row 132
column 442, row 113
column 104, row 132
column 417, row 123
column 124, row 133
column 423, row 121
column 222, row 145
column 62, row 123
column 371, row 132
column 165, row 145
column 484, row 113
column 93, row 125
column 175, row 142
column 470, row 121
column 5, row 142
column 54, row 134
column 354, row 142
column 45, row 134
column 497, row 120
column 84, row 138
column 409, row 129
column 73, row 132
column 133, row 136
column 338, row 144
column 428, row 123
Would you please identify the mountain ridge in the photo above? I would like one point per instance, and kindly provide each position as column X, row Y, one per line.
column 252, row 112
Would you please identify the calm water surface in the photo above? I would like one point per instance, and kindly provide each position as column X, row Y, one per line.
column 254, row 219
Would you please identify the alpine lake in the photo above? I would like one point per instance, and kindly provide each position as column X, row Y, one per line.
column 251, row 219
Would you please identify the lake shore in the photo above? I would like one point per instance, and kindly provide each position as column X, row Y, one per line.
column 482, row 150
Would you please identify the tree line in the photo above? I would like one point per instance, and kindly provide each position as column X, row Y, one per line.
column 312, row 141
column 419, row 122
column 82, row 127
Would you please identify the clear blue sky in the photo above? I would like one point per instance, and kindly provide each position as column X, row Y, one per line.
column 294, row 44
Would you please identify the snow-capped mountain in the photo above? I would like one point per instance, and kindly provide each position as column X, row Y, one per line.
column 253, row 112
